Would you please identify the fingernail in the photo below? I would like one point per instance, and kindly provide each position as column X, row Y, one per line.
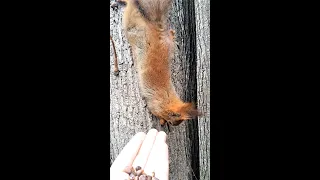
column 140, row 134
column 163, row 136
column 152, row 131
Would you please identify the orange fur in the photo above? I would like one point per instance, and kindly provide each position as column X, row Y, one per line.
column 152, row 44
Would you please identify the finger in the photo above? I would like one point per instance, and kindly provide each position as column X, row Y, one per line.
column 119, row 176
column 153, row 159
column 128, row 153
column 145, row 149
column 161, row 137
column 162, row 167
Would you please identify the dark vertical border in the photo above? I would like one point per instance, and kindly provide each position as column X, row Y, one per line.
column 191, row 87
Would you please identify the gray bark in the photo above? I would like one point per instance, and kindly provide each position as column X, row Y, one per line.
column 128, row 112
column 202, row 9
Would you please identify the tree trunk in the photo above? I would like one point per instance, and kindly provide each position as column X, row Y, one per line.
column 202, row 9
column 128, row 112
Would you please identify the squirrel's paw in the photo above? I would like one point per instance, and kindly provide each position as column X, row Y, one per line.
column 162, row 122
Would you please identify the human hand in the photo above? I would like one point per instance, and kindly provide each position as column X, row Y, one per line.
column 150, row 152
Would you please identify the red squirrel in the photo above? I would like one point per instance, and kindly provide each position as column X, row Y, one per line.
column 152, row 45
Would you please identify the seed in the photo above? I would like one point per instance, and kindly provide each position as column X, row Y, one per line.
column 139, row 172
column 143, row 177
column 127, row 169
column 153, row 174
column 131, row 176
column 138, row 168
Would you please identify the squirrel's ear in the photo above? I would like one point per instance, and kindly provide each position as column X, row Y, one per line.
column 190, row 111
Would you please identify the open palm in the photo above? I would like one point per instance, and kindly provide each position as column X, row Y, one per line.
column 150, row 152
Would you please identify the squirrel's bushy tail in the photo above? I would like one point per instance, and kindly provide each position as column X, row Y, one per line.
column 154, row 10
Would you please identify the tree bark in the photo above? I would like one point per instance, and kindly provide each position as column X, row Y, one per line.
column 202, row 9
column 128, row 112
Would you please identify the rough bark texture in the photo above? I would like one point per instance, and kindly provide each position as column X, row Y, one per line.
column 202, row 9
column 189, row 157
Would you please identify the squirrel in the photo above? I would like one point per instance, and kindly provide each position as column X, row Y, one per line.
column 152, row 47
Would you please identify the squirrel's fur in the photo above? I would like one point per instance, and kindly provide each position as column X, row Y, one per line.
column 152, row 45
